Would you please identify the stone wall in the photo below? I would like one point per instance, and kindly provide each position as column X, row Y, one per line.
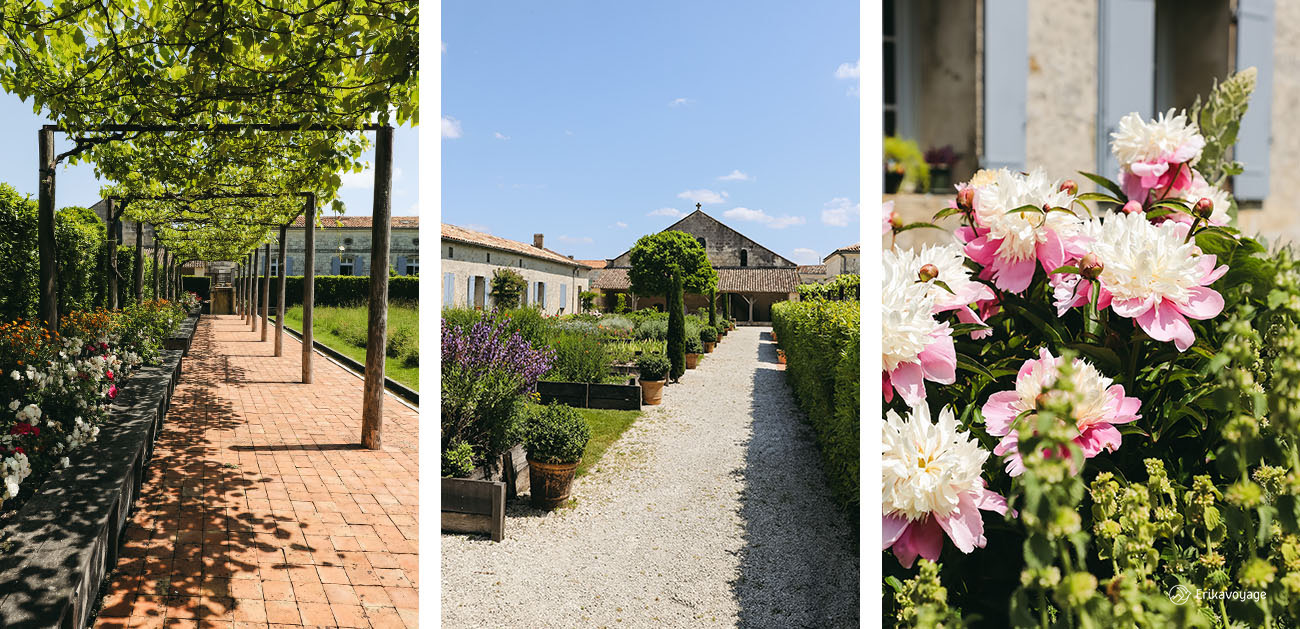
column 403, row 245
column 721, row 243
column 465, row 262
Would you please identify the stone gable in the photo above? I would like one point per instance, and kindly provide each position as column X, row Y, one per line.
column 721, row 243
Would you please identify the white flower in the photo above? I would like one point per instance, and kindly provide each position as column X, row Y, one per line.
column 908, row 322
column 65, row 463
column 1201, row 189
column 14, row 470
column 1145, row 261
column 15, row 375
column 927, row 466
column 1021, row 232
column 30, row 414
column 949, row 261
column 13, row 406
column 1169, row 138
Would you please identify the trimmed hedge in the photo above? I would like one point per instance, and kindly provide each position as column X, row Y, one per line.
column 199, row 285
column 820, row 339
column 347, row 290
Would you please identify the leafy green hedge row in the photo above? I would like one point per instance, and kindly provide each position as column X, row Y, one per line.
column 347, row 290
column 820, row 340
column 200, row 285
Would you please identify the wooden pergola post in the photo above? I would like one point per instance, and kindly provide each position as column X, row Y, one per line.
column 155, row 264
column 166, row 264
column 308, row 284
column 45, row 230
column 372, row 409
column 266, row 286
column 242, row 295
column 111, row 222
column 138, row 274
column 252, row 294
column 279, row 297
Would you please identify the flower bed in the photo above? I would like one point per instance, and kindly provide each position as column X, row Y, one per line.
column 821, row 339
column 1116, row 381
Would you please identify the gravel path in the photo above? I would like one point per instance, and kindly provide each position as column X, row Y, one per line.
column 711, row 511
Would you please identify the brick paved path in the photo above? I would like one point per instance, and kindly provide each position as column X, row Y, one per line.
column 259, row 509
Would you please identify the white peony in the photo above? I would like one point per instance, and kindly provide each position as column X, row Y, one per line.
column 949, row 261
column 928, row 466
column 1200, row 189
column 1022, row 232
column 908, row 323
column 1144, row 261
column 1169, row 138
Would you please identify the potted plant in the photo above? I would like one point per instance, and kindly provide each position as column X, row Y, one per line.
column 693, row 350
column 905, row 167
column 654, row 371
column 708, row 337
column 555, row 437
column 941, row 161
column 780, row 357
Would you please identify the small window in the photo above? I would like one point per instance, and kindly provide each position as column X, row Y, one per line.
column 347, row 241
column 415, row 242
column 347, row 266
column 489, row 255
column 744, row 257
column 701, row 241
column 275, row 267
column 412, row 266
column 451, row 252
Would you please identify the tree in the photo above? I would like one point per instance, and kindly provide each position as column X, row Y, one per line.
column 713, row 307
column 670, row 263
column 507, row 288
column 588, row 299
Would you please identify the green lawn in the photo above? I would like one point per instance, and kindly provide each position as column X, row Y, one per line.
column 344, row 329
column 606, row 427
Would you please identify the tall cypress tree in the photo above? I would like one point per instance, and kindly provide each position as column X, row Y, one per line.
column 713, row 307
column 676, row 330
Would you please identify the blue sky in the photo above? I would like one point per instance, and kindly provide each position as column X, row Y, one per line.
column 598, row 122
column 76, row 185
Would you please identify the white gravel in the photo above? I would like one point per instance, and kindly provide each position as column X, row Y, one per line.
column 711, row 511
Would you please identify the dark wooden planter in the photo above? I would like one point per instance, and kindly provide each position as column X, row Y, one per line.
column 474, row 506
column 183, row 337
column 67, row 537
column 625, row 397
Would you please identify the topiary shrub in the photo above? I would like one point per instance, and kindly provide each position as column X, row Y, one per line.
column 653, row 367
column 555, row 434
column 677, row 332
column 709, row 334
column 693, row 345
column 508, row 288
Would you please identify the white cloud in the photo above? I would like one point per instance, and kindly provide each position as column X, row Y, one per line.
column 678, row 102
column 707, row 197
column 450, row 128
column 568, row 132
column 848, row 70
column 805, row 256
column 575, row 240
column 759, row 216
column 500, row 136
column 736, row 175
column 840, row 212
column 620, row 224
column 666, row 211
column 478, row 228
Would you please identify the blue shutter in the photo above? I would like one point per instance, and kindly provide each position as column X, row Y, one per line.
column 288, row 265
column 1255, row 48
column 545, row 298
column 359, row 265
column 401, row 265
column 564, row 297
column 334, row 266
column 1006, row 82
column 448, row 289
column 1126, row 70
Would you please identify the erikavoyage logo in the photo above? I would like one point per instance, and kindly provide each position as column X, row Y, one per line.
column 1180, row 594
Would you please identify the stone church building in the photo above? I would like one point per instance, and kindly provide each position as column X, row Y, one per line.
column 751, row 277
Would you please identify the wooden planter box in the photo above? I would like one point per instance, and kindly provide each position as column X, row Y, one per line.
column 625, row 397
column 474, row 506
column 67, row 536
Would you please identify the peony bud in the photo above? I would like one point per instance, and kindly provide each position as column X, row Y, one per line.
column 1047, row 208
column 1204, row 208
column 1090, row 267
column 1069, row 187
column 895, row 221
column 928, row 272
column 966, row 198
column 1132, row 207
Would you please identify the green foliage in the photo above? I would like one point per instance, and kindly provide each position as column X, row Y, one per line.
column 820, row 340
column 1219, row 119
column 507, row 289
column 461, row 317
column 555, row 434
column 202, row 285
column 345, row 290
column 78, row 238
column 579, row 357
column 676, row 331
column 842, row 288
column 653, row 329
column 483, row 410
column 458, row 460
column 709, row 334
column 713, row 307
column 588, row 299
column 529, row 323
column 659, row 260
column 923, row 601
column 907, row 157
column 693, row 345
column 653, row 367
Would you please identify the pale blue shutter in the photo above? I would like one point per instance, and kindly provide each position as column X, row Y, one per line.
column 359, row 265
column 1006, row 76
column 401, row 265
column 288, row 265
column 334, row 266
column 1126, row 70
column 448, row 289
column 544, row 298
column 564, row 297
column 1255, row 48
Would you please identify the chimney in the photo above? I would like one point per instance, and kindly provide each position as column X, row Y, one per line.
column 537, row 240
column 570, row 257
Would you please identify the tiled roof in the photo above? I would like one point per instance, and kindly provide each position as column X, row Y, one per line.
column 595, row 264
column 747, row 280
column 812, row 269
column 460, row 234
column 329, row 222
column 853, row 248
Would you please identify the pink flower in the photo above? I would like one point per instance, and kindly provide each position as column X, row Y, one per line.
column 915, row 346
column 1098, row 406
column 112, row 391
column 109, row 374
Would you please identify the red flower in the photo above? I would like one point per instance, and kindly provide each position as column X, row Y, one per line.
column 19, row 450
column 24, row 428
column 109, row 374
column 112, row 391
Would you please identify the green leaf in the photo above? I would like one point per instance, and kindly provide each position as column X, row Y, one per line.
column 971, row 365
column 1105, row 183
column 1097, row 196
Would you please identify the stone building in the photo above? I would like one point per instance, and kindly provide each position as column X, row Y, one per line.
column 1017, row 84
column 844, row 261
column 470, row 258
column 751, row 277
column 343, row 246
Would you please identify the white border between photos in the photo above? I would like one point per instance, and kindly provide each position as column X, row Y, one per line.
column 430, row 186
column 871, row 141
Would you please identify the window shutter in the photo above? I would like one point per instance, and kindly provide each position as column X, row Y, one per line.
column 359, row 265
column 334, row 266
column 448, row 289
column 1255, row 48
column 401, row 265
column 564, row 297
column 1006, row 72
column 288, row 265
column 1126, row 70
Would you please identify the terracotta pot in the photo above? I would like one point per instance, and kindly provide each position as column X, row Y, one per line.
column 652, row 392
column 780, row 357
column 550, row 483
column 692, row 360
column 708, row 347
